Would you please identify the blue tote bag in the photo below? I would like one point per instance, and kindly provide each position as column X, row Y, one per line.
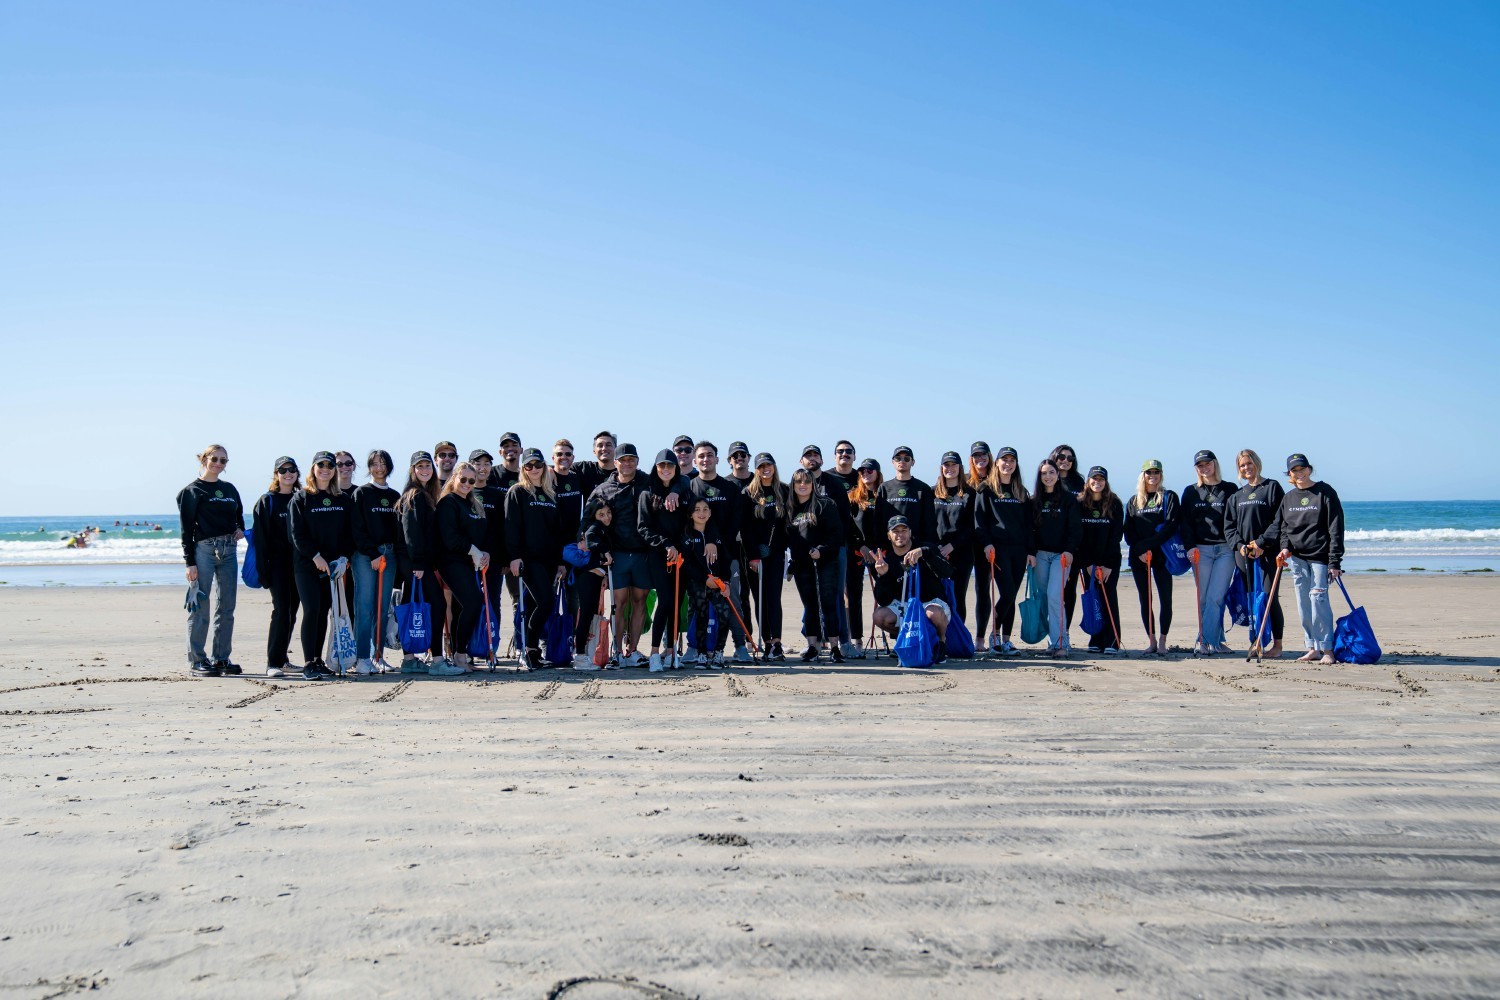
column 916, row 638
column 1260, row 601
column 1236, row 600
column 486, row 638
column 1033, row 611
column 414, row 621
column 557, row 636
column 1353, row 638
column 250, row 568
column 958, row 642
column 1174, row 556
column 1091, row 611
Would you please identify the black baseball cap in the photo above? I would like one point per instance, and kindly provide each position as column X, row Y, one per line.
column 868, row 465
column 897, row 522
column 1007, row 452
column 666, row 455
column 901, row 448
column 419, row 456
column 979, row 448
column 627, row 451
column 1099, row 471
column 284, row 460
column 812, row 449
column 1295, row 459
column 681, row 439
column 951, row 456
column 325, row 456
column 735, row 447
column 479, row 453
column 1205, row 456
column 764, row 458
column 532, row 455
column 510, row 437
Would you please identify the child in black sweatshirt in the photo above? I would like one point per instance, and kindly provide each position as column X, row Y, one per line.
column 702, row 595
column 593, row 538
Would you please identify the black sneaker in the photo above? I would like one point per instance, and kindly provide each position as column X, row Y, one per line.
column 836, row 654
column 205, row 670
column 312, row 673
column 534, row 659
column 225, row 667
column 320, row 668
column 939, row 655
column 778, row 655
column 809, row 654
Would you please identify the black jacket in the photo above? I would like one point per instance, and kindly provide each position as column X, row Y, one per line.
column 1203, row 510
column 1310, row 524
column 1149, row 527
column 208, row 510
column 695, row 566
column 933, row 569
column 375, row 522
column 1101, row 531
column 493, row 499
column 763, row 526
column 273, row 533
column 417, row 547
column 624, row 502
column 459, row 526
column 1057, row 526
column 815, row 527
column 1251, row 514
column 723, row 496
column 322, row 525
column 533, row 531
column 1001, row 520
column 659, row 527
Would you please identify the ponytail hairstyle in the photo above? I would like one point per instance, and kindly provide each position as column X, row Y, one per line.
column 204, row 455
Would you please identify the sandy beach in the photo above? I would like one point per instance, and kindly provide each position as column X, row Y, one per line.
column 1123, row 827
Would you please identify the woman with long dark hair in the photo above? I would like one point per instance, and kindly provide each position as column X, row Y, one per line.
column 814, row 533
column 321, row 521
column 213, row 522
column 764, row 525
column 1002, row 526
column 274, row 559
column 1103, row 525
column 534, row 540
column 953, row 504
column 1250, row 516
column 1151, row 518
column 461, row 530
column 980, row 464
column 417, row 558
column 661, row 525
column 1056, row 534
column 375, row 531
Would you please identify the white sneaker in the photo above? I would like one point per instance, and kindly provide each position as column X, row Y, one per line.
column 691, row 655
column 656, row 664
column 700, row 661
column 275, row 672
column 996, row 644
column 583, row 662
column 716, row 661
column 742, row 655
column 382, row 667
column 633, row 659
column 364, row 668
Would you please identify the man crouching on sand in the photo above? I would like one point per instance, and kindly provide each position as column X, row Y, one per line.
column 932, row 570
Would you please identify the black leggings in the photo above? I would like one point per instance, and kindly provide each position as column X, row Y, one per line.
column 1106, row 637
column 1010, row 569
column 1070, row 592
column 317, row 601
column 854, row 593
column 662, row 581
column 700, row 598
column 767, row 584
column 283, row 587
column 818, row 584
column 962, row 562
column 588, row 587
column 1267, row 577
column 1163, row 591
column 982, row 608
column 540, row 598
column 468, row 601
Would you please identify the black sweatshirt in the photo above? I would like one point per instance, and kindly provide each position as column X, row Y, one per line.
column 1310, row 524
column 375, row 522
column 322, row 525
column 763, row 525
column 596, row 537
column 590, row 475
column 493, row 499
column 873, row 534
column 418, row 547
column 1002, row 520
column 208, row 510
column 853, row 534
column 273, row 533
column 1203, row 509
column 955, row 519
column 723, row 496
column 659, row 527
column 815, row 526
column 569, row 490
column 695, row 565
column 459, row 526
column 533, row 530
column 1057, row 526
column 624, row 501
column 933, row 569
column 1149, row 527
column 1102, row 530
column 1251, row 513
column 503, row 478
column 911, row 499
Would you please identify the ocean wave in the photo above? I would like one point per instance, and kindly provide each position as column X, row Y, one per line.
column 1423, row 535
column 104, row 551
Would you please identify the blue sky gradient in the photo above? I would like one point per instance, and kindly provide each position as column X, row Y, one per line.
column 1141, row 229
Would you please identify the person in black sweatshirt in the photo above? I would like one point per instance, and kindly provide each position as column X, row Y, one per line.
column 890, row 576
column 764, row 527
column 321, row 521
column 1151, row 518
column 661, row 516
column 631, row 567
column 953, row 507
column 1102, row 527
column 742, row 476
column 534, row 538
column 863, row 502
column 1249, row 517
column 725, row 506
column 1056, row 534
column 1069, row 475
column 375, row 531
column 1002, row 526
column 851, row 591
column 274, row 558
column 909, row 497
column 213, row 522
column 815, row 534
column 981, row 461
column 417, row 557
column 461, row 533
column 683, row 448
column 491, row 494
column 593, row 538
column 709, row 609
column 835, row 489
column 1310, row 530
column 592, row 473
column 1204, row 504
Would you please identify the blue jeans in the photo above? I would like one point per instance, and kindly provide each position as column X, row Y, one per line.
column 1215, row 570
column 218, row 573
column 1051, row 577
column 1311, row 581
column 366, row 579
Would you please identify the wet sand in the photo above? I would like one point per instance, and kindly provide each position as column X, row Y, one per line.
column 1128, row 827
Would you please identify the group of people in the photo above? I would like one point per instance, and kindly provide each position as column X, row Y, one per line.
column 605, row 535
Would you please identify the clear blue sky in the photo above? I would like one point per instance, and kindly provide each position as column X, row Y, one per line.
column 1138, row 228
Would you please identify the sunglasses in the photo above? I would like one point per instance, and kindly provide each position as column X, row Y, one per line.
column 287, row 470
column 533, row 466
column 447, row 454
column 684, row 450
column 216, row 460
column 323, row 465
column 562, row 454
column 346, row 465
column 466, row 481
column 1153, row 473
column 843, row 451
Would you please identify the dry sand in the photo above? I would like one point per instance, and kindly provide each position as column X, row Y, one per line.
column 1123, row 828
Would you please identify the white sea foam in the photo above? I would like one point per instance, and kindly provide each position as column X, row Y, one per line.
column 1425, row 535
column 104, row 551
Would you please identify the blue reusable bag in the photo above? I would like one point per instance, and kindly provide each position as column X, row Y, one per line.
column 1174, row 555
column 1090, row 609
column 1236, row 601
column 557, row 637
column 486, row 638
column 957, row 641
column 250, row 568
column 1033, row 611
column 414, row 620
column 1260, row 602
column 916, row 638
column 1353, row 638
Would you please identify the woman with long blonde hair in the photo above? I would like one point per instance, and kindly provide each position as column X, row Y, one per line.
column 1205, row 504
column 1002, row 528
column 1250, row 517
column 763, row 525
column 1151, row 518
column 534, row 540
column 321, row 519
column 461, row 530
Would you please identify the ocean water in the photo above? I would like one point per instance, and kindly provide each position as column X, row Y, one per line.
column 1393, row 536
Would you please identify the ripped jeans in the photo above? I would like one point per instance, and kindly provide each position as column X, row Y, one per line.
column 1311, row 582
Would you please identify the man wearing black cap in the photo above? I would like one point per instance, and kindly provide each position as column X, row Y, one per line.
column 508, row 471
column 741, row 475
column 492, row 497
column 631, row 569
column 723, row 497
column 838, row 494
column 683, row 447
column 851, row 606
column 909, row 497
column 890, row 574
